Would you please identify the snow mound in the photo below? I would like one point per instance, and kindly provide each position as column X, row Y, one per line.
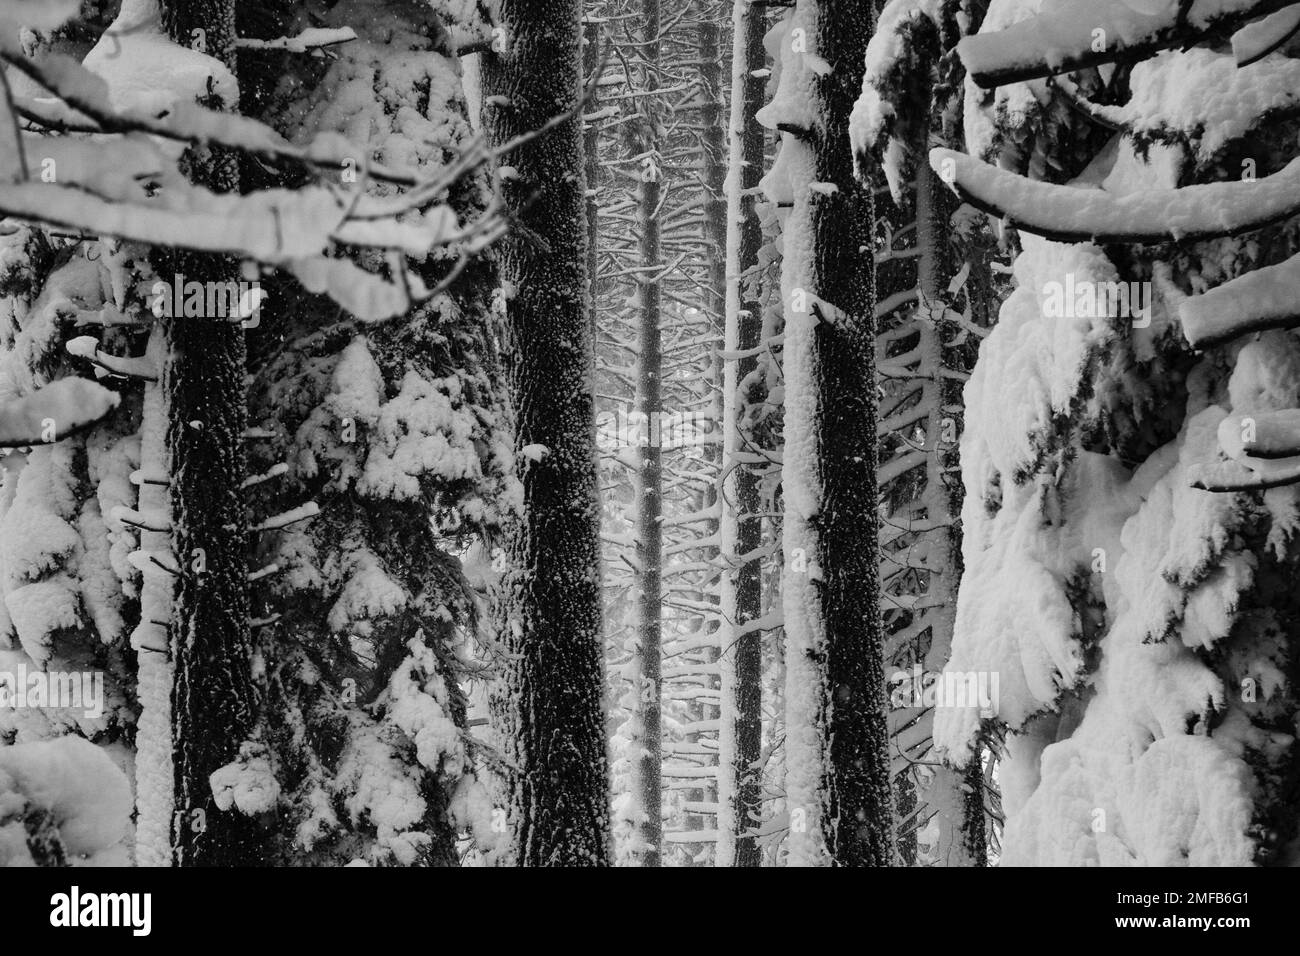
column 87, row 797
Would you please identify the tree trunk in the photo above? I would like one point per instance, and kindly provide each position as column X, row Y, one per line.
column 838, row 767
column 649, row 408
column 713, row 225
column 154, row 764
column 213, row 701
column 591, row 148
column 959, row 806
column 859, row 825
column 548, row 609
column 741, row 803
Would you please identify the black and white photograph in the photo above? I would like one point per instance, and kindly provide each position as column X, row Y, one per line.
column 473, row 434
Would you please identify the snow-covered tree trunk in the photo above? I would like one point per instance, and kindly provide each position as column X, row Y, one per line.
column 958, row 807
column 549, row 606
column 837, row 765
column 213, row 702
column 740, row 736
column 649, row 484
column 591, row 61
column 154, row 772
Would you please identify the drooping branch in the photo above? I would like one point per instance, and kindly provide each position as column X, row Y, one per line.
column 1072, row 214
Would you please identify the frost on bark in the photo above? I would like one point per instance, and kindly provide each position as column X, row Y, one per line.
column 858, row 825
column 649, row 484
column 956, row 795
column 549, row 603
column 212, row 696
column 155, row 781
column 591, row 62
column 740, row 781
column 838, row 784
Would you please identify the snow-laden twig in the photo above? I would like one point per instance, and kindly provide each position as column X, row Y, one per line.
column 315, row 38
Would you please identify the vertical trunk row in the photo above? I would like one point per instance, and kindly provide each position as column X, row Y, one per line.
column 212, row 697
column 740, row 796
column 548, row 611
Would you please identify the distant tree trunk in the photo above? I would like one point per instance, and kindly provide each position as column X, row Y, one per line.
column 591, row 148
column 548, row 610
column 743, row 388
column 213, row 700
column 649, row 407
column 958, row 805
column 713, row 225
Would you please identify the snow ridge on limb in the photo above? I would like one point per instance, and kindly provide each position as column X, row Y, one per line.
column 1259, row 300
column 1073, row 37
column 1071, row 214
column 1258, row 39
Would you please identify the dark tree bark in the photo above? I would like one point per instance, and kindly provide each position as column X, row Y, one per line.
column 591, row 60
column 649, row 484
column 713, row 224
column 548, row 609
column 747, row 578
column 213, row 699
column 857, row 815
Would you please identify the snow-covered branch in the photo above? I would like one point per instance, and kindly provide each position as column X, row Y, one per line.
column 312, row 39
column 1259, row 300
column 1070, row 37
column 127, row 186
column 1073, row 214
column 53, row 412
